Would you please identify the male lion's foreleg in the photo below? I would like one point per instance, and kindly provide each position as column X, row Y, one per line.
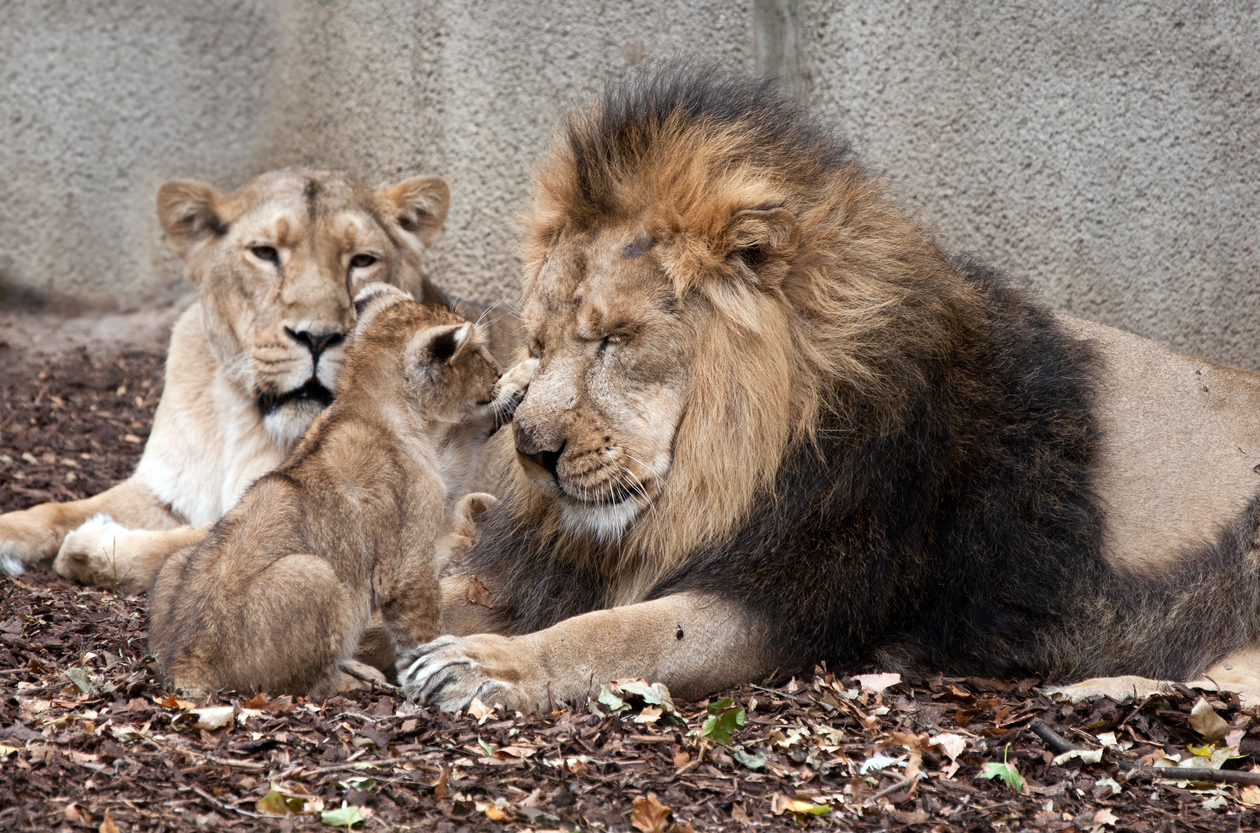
column 32, row 537
column 693, row 643
column 107, row 554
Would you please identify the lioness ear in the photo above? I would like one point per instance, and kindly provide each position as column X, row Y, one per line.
column 189, row 212
column 761, row 240
column 418, row 205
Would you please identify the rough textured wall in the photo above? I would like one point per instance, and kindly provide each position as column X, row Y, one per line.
column 470, row 90
column 1109, row 154
column 99, row 103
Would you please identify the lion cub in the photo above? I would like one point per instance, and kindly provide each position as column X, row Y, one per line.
column 282, row 589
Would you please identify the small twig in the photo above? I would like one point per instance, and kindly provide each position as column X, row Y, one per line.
column 802, row 700
column 361, row 677
column 892, row 788
column 378, row 763
column 240, row 764
column 221, row 805
column 1061, row 745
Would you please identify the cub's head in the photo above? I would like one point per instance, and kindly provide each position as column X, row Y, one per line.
column 276, row 264
column 439, row 362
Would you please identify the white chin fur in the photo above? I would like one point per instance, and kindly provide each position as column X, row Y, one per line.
column 605, row 524
column 286, row 425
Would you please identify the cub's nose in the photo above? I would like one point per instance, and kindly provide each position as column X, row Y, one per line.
column 316, row 343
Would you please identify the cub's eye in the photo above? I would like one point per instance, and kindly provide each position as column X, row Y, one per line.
column 535, row 349
column 362, row 261
column 603, row 345
column 266, row 253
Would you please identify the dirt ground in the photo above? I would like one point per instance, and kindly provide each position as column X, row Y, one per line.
column 90, row 738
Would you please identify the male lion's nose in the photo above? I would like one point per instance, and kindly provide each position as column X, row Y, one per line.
column 316, row 343
column 544, row 458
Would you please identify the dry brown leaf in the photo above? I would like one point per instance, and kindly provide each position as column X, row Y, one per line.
column 1205, row 721
column 480, row 710
column 1103, row 817
column 77, row 814
column 877, row 682
column 1248, row 795
column 107, row 824
column 739, row 814
column 681, row 827
column 649, row 815
column 439, row 786
column 681, row 758
column 477, row 593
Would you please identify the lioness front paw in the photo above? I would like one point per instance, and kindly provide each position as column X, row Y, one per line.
column 450, row 671
column 91, row 555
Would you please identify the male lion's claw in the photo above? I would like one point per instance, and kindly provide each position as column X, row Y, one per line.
column 449, row 674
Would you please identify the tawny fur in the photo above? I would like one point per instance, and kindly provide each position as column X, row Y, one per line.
column 764, row 394
column 281, row 591
column 251, row 363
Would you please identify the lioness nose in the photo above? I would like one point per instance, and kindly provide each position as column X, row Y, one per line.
column 316, row 343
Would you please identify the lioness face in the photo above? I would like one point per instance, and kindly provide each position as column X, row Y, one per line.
column 276, row 264
column 595, row 430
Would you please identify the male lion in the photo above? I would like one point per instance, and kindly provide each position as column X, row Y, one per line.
column 275, row 264
column 773, row 424
column 280, row 593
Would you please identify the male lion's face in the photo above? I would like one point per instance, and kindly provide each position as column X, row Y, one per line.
column 596, row 427
column 276, row 264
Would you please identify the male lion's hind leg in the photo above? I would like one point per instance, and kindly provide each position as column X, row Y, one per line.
column 1239, row 673
column 106, row 554
column 32, row 537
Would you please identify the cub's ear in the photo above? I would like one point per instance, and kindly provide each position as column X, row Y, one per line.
column 189, row 212
column 761, row 241
column 418, row 205
column 372, row 299
column 445, row 343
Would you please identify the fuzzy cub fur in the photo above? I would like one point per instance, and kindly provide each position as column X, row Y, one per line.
column 282, row 589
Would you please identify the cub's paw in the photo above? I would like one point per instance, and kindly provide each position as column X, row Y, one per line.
column 450, row 671
column 511, row 390
column 92, row 554
column 358, row 676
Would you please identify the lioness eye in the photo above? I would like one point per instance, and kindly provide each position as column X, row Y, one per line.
column 603, row 345
column 266, row 253
column 361, row 261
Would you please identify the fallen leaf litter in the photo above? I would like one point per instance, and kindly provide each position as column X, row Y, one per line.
column 90, row 738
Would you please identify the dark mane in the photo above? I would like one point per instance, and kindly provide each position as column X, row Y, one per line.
column 634, row 120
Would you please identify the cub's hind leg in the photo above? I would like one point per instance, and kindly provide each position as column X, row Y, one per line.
column 284, row 630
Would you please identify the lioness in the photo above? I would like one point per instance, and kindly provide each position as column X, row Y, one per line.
column 281, row 591
column 773, row 424
column 275, row 264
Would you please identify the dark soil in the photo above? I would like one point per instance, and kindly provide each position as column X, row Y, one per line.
column 90, row 738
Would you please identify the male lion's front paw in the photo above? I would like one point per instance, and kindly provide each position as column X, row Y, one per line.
column 450, row 671
column 91, row 555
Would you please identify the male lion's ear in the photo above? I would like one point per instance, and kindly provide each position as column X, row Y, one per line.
column 189, row 212
column 418, row 205
column 762, row 239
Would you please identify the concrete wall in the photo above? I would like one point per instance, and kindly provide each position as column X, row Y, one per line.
column 1107, row 153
